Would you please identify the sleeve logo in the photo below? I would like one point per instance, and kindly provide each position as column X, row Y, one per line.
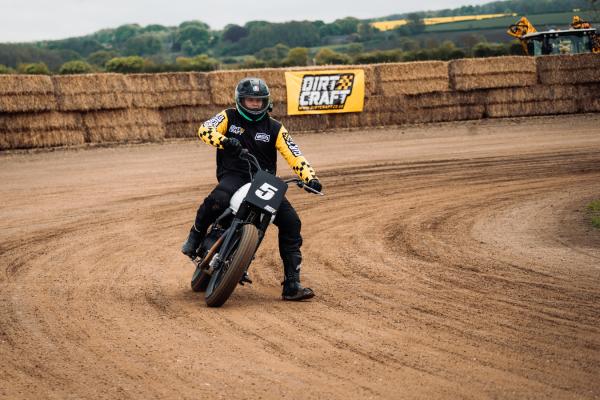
column 325, row 92
column 291, row 145
column 214, row 121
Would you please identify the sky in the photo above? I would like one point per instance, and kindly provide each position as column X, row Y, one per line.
column 31, row 20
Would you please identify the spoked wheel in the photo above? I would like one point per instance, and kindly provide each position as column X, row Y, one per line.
column 224, row 280
column 200, row 280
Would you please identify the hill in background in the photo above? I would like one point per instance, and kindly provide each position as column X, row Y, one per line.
column 193, row 45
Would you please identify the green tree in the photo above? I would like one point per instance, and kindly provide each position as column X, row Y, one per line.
column 197, row 35
column 201, row 62
column 75, row 67
column 366, row 31
column 489, row 50
column 233, row 33
column 143, row 45
column 6, row 70
column 355, row 49
column 125, row 65
column 100, row 58
column 327, row 56
column 275, row 53
column 126, row 32
column 298, row 56
column 33, row 69
column 154, row 28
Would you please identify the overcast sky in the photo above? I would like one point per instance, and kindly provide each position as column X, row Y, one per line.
column 29, row 20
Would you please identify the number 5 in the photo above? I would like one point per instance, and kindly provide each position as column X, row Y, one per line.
column 266, row 191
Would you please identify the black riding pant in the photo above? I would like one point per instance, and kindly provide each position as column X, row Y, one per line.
column 286, row 220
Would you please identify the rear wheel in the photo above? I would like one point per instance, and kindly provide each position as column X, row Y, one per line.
column 223, row 281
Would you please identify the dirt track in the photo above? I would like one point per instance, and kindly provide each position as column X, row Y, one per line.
column 449, row 261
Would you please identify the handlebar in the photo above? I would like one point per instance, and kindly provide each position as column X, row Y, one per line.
column 251, row 159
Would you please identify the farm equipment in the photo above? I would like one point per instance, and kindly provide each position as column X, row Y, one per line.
column 580, row 38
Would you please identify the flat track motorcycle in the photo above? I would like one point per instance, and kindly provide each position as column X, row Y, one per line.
column 232, row 240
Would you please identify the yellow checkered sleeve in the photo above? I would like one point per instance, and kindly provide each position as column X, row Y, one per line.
column 292, row 154
column 213, row 131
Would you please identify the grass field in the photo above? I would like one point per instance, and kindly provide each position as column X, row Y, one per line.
column 540, row 21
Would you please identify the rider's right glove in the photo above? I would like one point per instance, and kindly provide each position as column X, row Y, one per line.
column 315, row 185
column 233, row 146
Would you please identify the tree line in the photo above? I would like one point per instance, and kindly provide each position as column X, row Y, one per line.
column 194, row 46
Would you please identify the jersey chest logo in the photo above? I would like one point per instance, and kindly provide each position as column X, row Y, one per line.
column 263, row 137
column 236, row 130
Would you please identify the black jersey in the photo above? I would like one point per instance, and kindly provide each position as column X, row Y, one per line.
column 262, row 138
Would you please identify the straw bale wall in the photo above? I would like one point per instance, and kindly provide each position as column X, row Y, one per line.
column 567, row 69
column 22, row 93
column 42, row 129
column 41, row 111
column 488, row 73
column 92, row 92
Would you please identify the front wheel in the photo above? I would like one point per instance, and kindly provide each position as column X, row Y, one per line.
column 224, row 280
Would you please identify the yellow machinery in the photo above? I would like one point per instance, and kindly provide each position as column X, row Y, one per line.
column 580, row 38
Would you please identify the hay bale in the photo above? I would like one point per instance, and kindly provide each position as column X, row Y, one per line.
column 376, row 104
column 34, row 138
column 39, row 121
column 343, row 120
column 528, row 94
column 564, row 69
column 195, row 114
column 169, row 89
column 22, row 93
column 181, row 130
column 495, row 72
column 445, row 114
column 443, row 99
column 544, row 107
column 92, row 92
column 45, row 129
column 305, row 123
column 123, row 125
column 589, row 98
column 411, row 78
column 378, row 119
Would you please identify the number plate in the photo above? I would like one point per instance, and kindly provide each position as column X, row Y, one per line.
column 266, row 192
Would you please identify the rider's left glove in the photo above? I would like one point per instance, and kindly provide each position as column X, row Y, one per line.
column 315, row 185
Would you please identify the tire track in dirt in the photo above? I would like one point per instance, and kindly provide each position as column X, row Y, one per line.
column 444, row 276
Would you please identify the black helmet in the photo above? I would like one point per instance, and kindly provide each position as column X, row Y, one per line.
column 254, row 88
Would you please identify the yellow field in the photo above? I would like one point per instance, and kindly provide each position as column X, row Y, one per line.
column 387, row 25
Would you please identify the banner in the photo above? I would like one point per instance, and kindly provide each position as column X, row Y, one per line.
column 325, row 91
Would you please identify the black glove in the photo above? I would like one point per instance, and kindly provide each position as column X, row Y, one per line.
column 315, row 185
column 232, row 145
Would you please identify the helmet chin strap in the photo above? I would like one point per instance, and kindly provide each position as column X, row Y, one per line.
column 247, row 117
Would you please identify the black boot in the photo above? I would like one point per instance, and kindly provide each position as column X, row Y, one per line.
column 192, row 243
column 294, row 291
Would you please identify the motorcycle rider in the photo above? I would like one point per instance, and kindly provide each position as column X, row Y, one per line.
column 249, row 126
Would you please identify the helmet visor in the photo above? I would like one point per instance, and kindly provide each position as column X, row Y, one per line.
column 255, row 104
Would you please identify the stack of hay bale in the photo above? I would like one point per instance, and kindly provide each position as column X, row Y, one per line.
column 566, row 71
column 183, row 100
column 105, row 102
column 28, row 118
column 509, row 87
column 418, row 92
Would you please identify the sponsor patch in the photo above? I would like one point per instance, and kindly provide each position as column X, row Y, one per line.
column 325, row 92
column 263, row 137
column 236, row 130
column 214, row 121
column 291, row 145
